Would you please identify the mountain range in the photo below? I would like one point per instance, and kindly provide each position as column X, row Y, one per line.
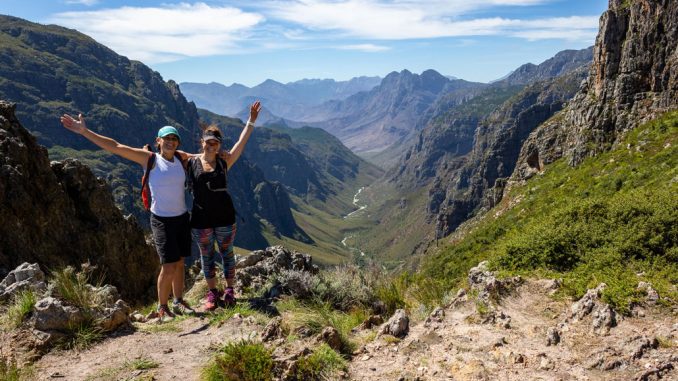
column 281, row 100
column 50, row 70
column 456, row 164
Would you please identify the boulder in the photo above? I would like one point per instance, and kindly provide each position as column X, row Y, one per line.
column 273, row 329
column 651, row 295
column 585, row 305
column 52, row 314
column 398, row 325
column 250, row 260
column 552, row 336
column 112, row 318
column 331, row 337
column 25, row 277
column 290, row 272
column 604, row 319
column 486, row 283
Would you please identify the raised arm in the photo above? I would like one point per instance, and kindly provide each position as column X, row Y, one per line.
column 239, row 146
column 137, row 155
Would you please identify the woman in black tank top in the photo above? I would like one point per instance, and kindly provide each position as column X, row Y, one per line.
column 213, row 214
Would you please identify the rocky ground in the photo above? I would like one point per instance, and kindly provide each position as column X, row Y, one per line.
column 523, row 345
column 496, row 329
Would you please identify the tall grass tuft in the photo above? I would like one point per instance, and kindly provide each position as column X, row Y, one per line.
column 240, row 360
column 83, row 336
column 322, row 364
column 391, row 291
column 315, row 317
column 76, row 287
column 22, row 305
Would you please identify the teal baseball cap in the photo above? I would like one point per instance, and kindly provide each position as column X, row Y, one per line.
column 168, row 130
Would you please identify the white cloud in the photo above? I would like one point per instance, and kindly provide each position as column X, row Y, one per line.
column 407, row 19
column 369, row 48
column 161, row 34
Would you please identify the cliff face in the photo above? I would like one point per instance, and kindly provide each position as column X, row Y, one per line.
column 450, row 133
column 633, row 78
column 59, row 214
column 479, row 182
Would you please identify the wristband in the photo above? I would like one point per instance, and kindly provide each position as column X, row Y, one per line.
column 249, row 124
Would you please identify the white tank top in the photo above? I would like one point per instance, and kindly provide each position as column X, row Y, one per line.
column 166, row 183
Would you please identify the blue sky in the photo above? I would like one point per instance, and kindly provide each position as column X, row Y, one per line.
column 247, row 42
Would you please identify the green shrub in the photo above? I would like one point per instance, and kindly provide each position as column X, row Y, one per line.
column 391, row 291
column 322, row 364
column 345, row 287
column 429, row 292
column 242, row 360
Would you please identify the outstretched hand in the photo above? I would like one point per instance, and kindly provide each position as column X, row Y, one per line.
column 78, row 126
column 254, row 111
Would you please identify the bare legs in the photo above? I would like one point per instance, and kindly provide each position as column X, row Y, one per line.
column 171, row 278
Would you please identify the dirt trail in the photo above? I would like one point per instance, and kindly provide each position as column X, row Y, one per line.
column 180, row 355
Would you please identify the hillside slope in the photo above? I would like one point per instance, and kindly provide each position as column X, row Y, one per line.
column 612, row 219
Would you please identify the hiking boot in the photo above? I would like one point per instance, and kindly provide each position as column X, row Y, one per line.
column 229, row 297
column 180, row 307
column 213, row 300
column 164, row 314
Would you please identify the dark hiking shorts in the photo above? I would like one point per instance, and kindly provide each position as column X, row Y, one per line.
column 172, row 237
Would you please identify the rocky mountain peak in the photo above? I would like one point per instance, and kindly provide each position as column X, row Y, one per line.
column 634, row 77
column 563, row 62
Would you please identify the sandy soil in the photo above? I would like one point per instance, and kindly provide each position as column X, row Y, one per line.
column 179, row 355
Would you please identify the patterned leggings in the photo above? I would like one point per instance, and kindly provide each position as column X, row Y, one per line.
column 223, row 237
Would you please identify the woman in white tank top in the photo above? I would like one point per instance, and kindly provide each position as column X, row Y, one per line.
column 169, row 215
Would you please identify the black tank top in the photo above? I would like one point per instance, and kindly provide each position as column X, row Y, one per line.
column 212, row 205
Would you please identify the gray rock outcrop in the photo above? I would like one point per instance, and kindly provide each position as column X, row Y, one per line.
column 290, row 272
column 398, row 325
column 61, row 214
column 25, row 277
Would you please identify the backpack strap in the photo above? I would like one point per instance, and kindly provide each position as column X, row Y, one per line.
column 149, row 166
column 145, row 191
column 183, row 162
column 224, row 167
